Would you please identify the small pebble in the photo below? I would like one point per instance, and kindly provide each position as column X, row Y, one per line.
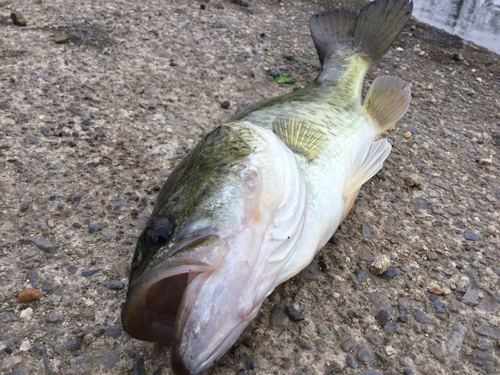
column 293, row 314
column 18, row 19
column 28, row 294
column 60, row 38
column 225, row 104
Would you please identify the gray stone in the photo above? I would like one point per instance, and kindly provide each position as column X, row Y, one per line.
column 321, row 329
column 382, row 317
column 349, row 359
column 453, row 211
column 440, row 307
column 389, row 273
column 107, row 358
column 115, row 332
column 474, row 280
column 31, row 139
column 42, row 243
column 421, row 317
column 120, row 202
column 367, row 232
column 311, row 271
column 483, row 345
column 304, row 345
column 94, row 228
column 77, row 111
column 81, row 364
column 89, row 273
column 434, row 193
column 380, row 302
column 471, row 297
column 457, row 336
column 173, row 121
column 439, row 183
column 370, row 372
column 491, row 302
column 73, row 345
column 455, row 305
column 33, row 277
column 54, row 318
column 481, row 358
column 493, row 333
column 29, row 253
column 420, row 203
column 114, row 284
column 471, row 236
column 391, row 327
column 437, row 350
column 329, row 370
column 361, row 275
column 365, row 354
column 279, row 318
column 347, row 345
column 376, row 340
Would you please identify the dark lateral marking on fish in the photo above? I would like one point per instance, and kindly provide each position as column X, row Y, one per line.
column 300, row 135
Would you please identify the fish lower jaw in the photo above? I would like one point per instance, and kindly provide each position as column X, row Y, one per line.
column 186, row 362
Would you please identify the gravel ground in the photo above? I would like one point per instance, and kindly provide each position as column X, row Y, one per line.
column 100, row 100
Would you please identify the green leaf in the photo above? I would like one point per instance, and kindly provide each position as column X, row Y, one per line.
column 281, row 78
column 303, row 60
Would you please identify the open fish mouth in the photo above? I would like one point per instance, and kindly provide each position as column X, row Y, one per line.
column 151, row 307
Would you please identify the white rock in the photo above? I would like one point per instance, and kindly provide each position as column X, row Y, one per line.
column 380, row 264
column 25, row 346
column 389, row 350
column 26, row 314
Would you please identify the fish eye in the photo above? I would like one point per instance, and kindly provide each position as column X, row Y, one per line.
column 158, row 233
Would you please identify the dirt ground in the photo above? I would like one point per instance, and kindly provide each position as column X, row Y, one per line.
column 91, row 127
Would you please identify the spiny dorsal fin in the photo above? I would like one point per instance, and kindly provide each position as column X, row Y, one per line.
column 300, row 135
column 343, row 38
column 366, row 164
column 387, row 101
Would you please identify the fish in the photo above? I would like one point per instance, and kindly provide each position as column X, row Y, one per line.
column 255, row 200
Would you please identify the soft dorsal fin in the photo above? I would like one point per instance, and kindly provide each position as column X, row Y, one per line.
column 387, row 101
column 366, row 164
column 300, row 135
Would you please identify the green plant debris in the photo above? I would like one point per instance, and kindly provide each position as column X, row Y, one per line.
column 282, row 78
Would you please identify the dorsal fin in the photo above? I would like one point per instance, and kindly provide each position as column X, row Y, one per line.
column 350, row 43
column 366, row 164
column 387, row 101
column 300, row 135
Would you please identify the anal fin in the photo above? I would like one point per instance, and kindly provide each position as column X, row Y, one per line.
column 300, row 135
column 387, row 101
column 367, row 163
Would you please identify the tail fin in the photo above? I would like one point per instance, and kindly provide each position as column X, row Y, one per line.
column 349, row 42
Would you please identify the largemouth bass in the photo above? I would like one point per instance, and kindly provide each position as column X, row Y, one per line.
column 258, row 197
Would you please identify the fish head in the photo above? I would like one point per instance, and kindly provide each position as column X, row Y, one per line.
column 200, row 269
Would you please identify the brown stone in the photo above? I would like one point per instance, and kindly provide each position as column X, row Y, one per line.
column 436, row 289
column 18, row 19
column 60, row 38
column 28, row 294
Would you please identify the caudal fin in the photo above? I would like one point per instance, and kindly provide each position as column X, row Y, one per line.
column 350, row 43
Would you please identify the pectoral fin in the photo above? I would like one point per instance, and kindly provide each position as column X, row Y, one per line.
column 367, row 163
column 300, row 135
column 387, row 101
